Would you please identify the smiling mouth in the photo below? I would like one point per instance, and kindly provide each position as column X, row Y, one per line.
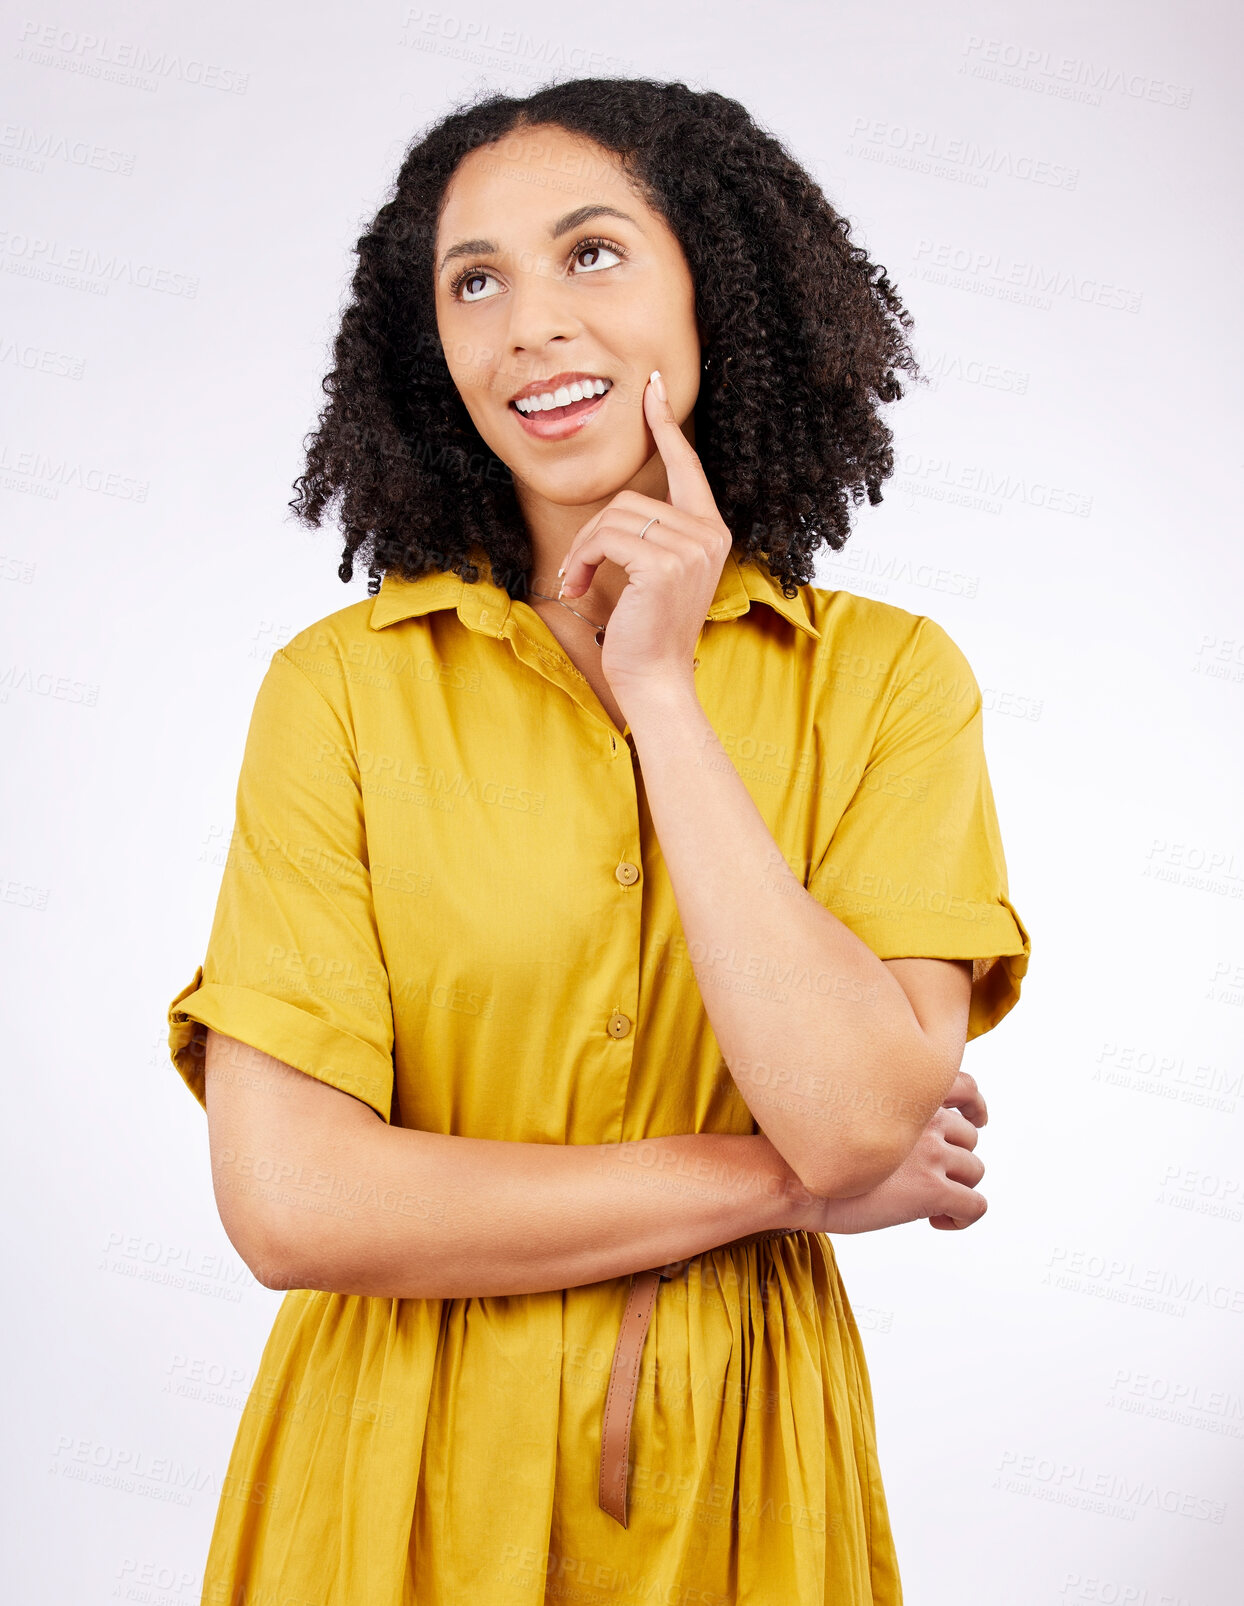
column 536, row 407
column 561, row 422
column 555, row 414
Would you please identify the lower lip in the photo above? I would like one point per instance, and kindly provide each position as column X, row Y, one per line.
column 559, row 422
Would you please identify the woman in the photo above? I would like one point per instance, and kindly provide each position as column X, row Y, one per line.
column 608, row 906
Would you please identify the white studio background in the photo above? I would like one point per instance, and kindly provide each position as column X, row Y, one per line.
column 1059, row 1396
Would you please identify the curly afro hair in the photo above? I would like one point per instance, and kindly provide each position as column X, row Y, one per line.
column 803, row 337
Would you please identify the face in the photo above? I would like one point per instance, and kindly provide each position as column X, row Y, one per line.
column 551, row 268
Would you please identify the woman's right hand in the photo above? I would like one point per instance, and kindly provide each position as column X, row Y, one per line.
column 936, row 1182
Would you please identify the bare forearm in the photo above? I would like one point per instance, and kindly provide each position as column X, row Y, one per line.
column 399, row 1213
column 819, row 1037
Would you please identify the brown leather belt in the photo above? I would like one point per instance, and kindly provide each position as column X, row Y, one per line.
column 615, row 1437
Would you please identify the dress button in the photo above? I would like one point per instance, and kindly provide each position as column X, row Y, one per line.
column 627, row 874
column 619, row 1025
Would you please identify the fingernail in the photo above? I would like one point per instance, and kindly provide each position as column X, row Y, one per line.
column 561, row 571
column 658, row 384
column 560, row 589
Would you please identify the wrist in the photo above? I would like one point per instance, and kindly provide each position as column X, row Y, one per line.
column 780, row 1200
column 653, row 700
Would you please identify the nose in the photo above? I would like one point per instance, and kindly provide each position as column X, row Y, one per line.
column 540, row 311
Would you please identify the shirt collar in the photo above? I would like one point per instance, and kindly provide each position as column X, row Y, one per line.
column 485, row 605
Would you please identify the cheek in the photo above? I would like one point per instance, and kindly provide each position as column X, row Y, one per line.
column 474, row 384
column 444, row 327
column 472, row 366
column 458, row 342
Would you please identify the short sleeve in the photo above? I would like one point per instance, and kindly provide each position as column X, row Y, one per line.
column 294, row 965
column 915, row 866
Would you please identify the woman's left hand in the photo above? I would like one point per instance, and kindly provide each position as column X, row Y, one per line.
column 938, row 1181
column 672, row 572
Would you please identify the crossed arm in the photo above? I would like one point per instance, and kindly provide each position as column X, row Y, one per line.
column 847, row 1053
column 866, row 1118
column 316, row 1191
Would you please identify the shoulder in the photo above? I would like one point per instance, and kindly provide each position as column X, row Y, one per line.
column 343, row 631
column 329, row 647
column 866, row 635
column 338, row 655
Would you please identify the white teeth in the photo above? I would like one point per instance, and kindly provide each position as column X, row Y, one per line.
column 564, row 395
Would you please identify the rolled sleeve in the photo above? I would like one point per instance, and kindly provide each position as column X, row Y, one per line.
column 294, row 965
column 915, row 865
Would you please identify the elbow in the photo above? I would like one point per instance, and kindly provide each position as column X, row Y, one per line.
column 271, row 1236
column 274, row 1271
column 264, row 1253
column 865, row 1158
column 853, row 1168
column 280, row 1264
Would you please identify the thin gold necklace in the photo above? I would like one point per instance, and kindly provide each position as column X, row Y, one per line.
column 599, row 637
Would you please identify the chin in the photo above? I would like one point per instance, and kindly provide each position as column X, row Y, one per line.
column 583, row 480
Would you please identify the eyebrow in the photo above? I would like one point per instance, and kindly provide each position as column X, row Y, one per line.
column 563, row 225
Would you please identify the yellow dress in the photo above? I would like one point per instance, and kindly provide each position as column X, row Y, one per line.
column 444, row 895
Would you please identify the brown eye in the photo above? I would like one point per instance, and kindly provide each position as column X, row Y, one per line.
column 594, row 248
column 471, row 276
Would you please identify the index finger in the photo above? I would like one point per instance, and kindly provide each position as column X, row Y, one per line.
column 966, row 1097
column 688, row 486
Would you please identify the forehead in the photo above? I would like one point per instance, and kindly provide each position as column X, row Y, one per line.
column 533, row 177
